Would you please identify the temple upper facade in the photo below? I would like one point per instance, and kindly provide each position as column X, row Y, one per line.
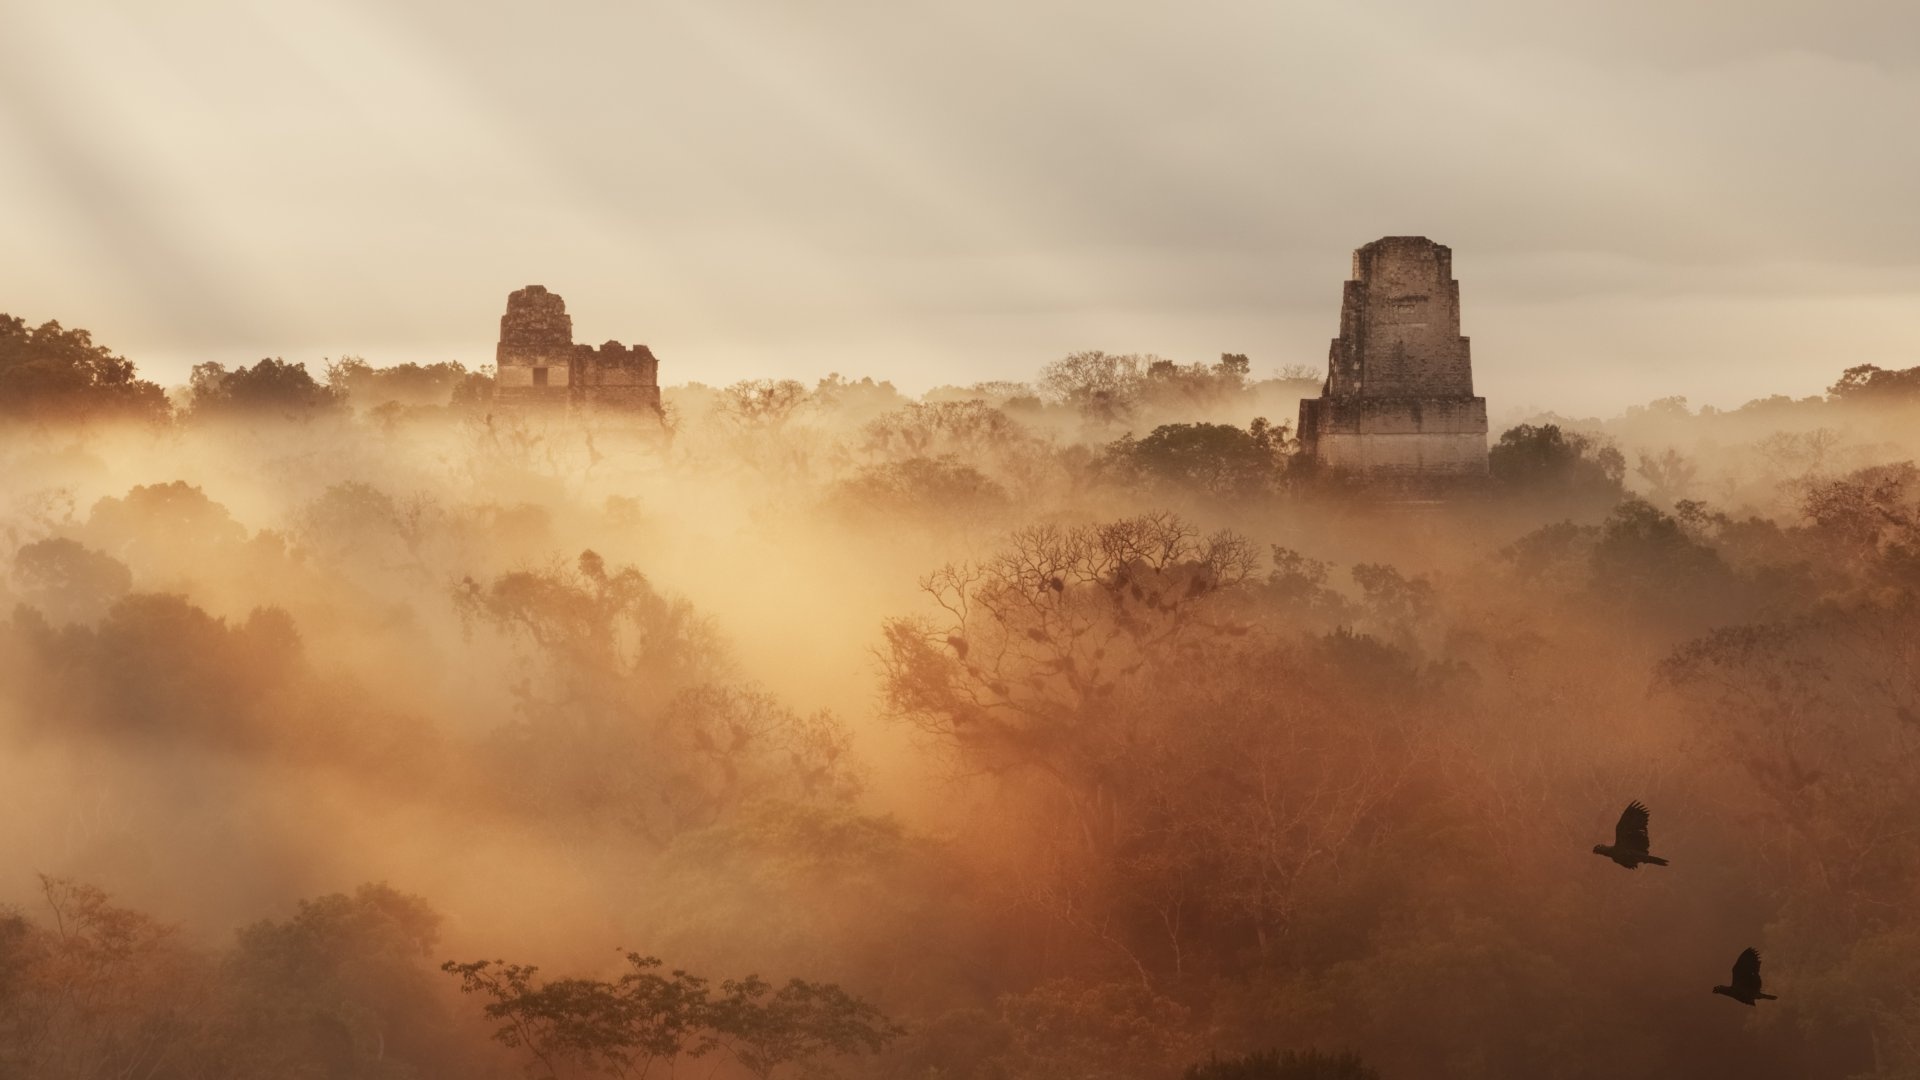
column 1398, row 400
column 537, row 362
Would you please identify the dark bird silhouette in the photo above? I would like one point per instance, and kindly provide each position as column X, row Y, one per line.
column 1746, row 980
column 1630, row 841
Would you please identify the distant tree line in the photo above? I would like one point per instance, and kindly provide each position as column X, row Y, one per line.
column 51, row 374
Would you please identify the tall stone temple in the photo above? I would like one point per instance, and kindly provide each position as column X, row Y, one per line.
column 537, row 362
column 1398, row 403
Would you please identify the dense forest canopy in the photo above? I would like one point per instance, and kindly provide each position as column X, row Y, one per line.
column 1072, row 729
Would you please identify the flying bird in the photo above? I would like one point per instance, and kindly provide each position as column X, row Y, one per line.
column 1746, row 980
column 1630, row 841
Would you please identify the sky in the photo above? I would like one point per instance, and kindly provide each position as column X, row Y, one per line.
column 1644, row 198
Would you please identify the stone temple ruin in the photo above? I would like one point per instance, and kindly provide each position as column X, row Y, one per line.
column 537, row 362
column 1398, row 402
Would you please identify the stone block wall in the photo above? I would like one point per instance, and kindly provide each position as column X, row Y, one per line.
column 1399, row 399
column 617, row 376
column 533, row 364
column 1399, row 437
column 537, row 362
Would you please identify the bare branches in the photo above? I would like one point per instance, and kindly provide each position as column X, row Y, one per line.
column 1032, row 643
column 762, row 402
column 625, row 1027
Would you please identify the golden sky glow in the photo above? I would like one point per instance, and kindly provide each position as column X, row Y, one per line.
column 1716, row 202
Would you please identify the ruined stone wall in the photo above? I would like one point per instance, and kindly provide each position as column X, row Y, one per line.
column 1399, row 400
column 616, row 376
column 537, row 362
column 1400, row 324
column 533, row 363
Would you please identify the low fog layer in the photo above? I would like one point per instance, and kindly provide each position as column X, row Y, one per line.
column 1062, row 728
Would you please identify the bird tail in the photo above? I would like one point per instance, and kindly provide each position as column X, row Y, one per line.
column 1654, row 859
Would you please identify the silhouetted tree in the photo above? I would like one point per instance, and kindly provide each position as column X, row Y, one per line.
column 1871, row 383
column 99, row 990
column 801, row 1023
column 69, row 581
column 367, row 387
column 475, row 388
column 943, row 487
column 1103, row 387
column 627, row 713
column 1218, row 459
column 1669, row 474
column 618, row 1028
column 621, row 1028
column 271, row 388
column 344, row 985
column 1544, row 459
column 1646, row 558
column 51, row 373
column 763, row 402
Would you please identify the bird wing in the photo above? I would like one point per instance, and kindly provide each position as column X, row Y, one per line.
column 1631, row 833
column 1746, row 971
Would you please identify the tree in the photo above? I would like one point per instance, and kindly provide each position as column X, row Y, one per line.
column 271, row 387
column 1797, row 457
column 1646, row 558
column 1189, row 800
column 1103, row 387
column 476, row 388
column 357, row 523
column 1868, row 522
column 343, row 988
column 1296, row 588
column 764, row 1028
column 160, row 667
column 1394, row 603
column 1669, row 474
column 1812, row 721
column 176, row 514
column 1218, row 459
column 69, row 581
column 102, row 991
column 353, row 379
column 1544, row 459
column 626, row 713
column 855, row 400
column 52, row 374
column 619, row 1028
column 1033, row 644
column 1170, row 386
column 971, row 429
column 944, row 487
column 1870, row 383
column 624, row 1027
column 765, row 403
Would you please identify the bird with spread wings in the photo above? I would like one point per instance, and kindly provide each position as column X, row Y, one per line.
column 1630, row 843
column 1746, row 980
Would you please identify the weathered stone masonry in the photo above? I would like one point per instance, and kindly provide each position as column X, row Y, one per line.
column 537, row 362
column 1398, row 400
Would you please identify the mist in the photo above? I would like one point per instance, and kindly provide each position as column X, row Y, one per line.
column 357, row 725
